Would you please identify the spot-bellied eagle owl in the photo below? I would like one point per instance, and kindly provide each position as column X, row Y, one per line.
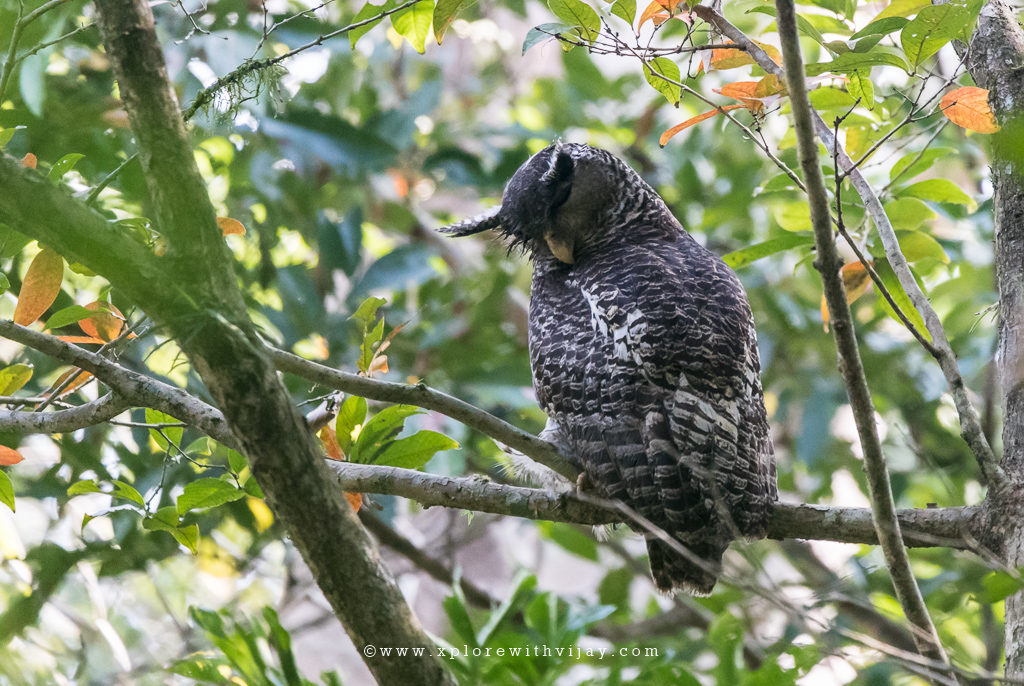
column 644, row 356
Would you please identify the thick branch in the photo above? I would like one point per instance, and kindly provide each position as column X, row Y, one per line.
column 420, row 395
column 970, row 425
column 948, row 527
column 62, row 421
column 209, row 320
column 883, row 506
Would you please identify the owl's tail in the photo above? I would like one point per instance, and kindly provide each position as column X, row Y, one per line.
column 672, row 570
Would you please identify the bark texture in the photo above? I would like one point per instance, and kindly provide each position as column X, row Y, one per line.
column 996, row 62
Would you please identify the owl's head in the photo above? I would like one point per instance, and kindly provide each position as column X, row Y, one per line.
column 562, row 200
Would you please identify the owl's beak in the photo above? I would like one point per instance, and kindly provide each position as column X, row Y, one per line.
column 477, row 224
column 560, row 248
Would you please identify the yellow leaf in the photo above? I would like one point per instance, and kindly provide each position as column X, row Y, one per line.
column 40, row 287
column 694, row 120
column 856, row 279
column 9, row 456
column 730, row 58
column 968, row 107
column 229, row 226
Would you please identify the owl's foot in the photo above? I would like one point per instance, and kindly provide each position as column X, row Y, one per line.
column 583, row 484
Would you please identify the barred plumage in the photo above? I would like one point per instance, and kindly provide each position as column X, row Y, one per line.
column 644, row 355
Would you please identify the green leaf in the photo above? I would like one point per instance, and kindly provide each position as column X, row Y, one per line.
column 369, row 345
column 414, row 451
column 542, row 33
column 459, row 618
column 127, row 492
column 6, row 490
column 579, row 14
column 282, row 644
column 80, row 487
column 174, row 433
column 744, row 256
column 908, row 213
column 237, row 461
column 881, row 27
column 367, row 311
column 208, row 492
column 63, row 166
column 939, row 190
column 854, row 61
column 384, row 426
column 917, row 245
column 793, row 216
column 369, row 10
column 164, row 519
column 860, row 87
column 68, row 315
column 413, row 24
column 188, row 536
column 831, row 99
column 5, row 283
column 522, row 585
column 15, row 376
column 802, row 24
column 444, row 14
column 902, row 8
column 570, row 539
column 912, row 164
column 900, row 297
column 933, row 27
column 625, row 10
column 668, row 69
column 7, row 134
column 351, row 415
column 999, row 586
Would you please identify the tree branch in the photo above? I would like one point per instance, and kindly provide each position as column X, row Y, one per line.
column 970, row 426
column 62, row 421
column 828, row 263
column 420, row 395
column 947, row 527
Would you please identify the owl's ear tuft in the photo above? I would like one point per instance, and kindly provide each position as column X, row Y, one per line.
column 559, row 176
column 467, row 227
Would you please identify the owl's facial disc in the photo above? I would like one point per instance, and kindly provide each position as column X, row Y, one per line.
column 560, row 247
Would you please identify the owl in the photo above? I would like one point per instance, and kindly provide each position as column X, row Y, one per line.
column 644, row 357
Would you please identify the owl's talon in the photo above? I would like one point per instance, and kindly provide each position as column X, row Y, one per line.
column 583, row 484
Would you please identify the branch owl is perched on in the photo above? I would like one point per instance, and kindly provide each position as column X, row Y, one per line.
column 644, row 355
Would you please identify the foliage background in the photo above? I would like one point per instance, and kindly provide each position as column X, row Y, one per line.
column 339, row 170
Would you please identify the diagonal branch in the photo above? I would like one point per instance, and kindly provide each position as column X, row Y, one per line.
column 970, row 425
column 828, row 263
column 62, row 421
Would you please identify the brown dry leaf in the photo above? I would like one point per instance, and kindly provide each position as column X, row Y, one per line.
column 694, row 120
column 106, row 325
column 40, row 287
column 857, row 281
column 730, row 58
column 29, row 160
column 81, row 339
column 968, row 108
column 9, row 456
column 230, row 226
column 745, row 92
column 330, row 441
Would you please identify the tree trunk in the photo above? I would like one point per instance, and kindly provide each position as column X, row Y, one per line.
column 996, row 62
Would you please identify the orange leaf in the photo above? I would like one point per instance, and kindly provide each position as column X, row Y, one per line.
column 355, row 500
column 330, row 441
column 694, row 120
column 40, row 287
column 968, row 107
column 81, row 339
column 661, row 11
column 83, row 378
column 745, row 92
column 856, row 280
column 9, row 456
column 29, row 160
column 730, row 58
column 106, row 325
column 229, row 226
